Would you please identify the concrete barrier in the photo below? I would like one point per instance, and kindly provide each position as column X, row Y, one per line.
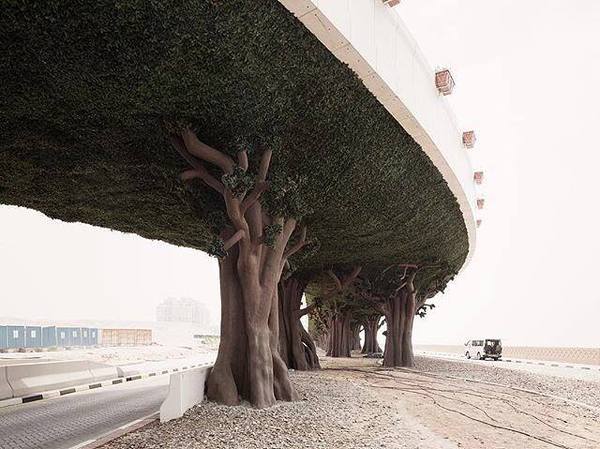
column 186, row 389
column 28, row 379
column 5, row 390
column 128, row 370
column 101, row 372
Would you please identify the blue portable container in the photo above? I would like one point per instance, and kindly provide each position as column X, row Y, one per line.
column 33, row 336
column 75, row 336
column 15, row 336
column 93, row 336
column 49, row 336
column 3, row 342
column 85, row 336
column 63, row 336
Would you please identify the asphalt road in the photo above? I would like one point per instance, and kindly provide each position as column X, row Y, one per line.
column 67, row 421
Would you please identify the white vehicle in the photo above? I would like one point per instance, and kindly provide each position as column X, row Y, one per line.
column 482, row 349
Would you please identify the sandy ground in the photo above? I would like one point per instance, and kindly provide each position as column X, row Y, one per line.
column 355, row 404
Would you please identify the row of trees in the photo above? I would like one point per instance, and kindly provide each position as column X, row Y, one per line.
column 293, row 184
column 261, row 294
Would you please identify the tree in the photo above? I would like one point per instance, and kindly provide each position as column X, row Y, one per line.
column 355, row 327
column 371, row 326
column 253, row 250
column 296, row 346
column 83, row 141
column 340, row 316
column 399, row 295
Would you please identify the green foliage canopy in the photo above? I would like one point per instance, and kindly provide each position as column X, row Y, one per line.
column 87, row 86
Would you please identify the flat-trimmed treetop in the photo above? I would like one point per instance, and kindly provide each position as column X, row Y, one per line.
column 87, row 87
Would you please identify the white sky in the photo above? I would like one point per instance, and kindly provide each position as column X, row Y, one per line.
column 528, row 79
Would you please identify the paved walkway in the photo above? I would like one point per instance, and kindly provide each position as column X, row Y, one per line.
column 65, row 422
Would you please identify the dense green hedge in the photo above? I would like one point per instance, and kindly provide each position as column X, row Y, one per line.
column 85, row 86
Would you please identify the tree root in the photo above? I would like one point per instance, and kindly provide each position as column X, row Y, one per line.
column 424, row 392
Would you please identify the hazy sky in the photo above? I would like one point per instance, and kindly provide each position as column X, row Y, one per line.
column 528, row 82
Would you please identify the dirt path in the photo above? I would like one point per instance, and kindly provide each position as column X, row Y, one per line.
column 480, row 415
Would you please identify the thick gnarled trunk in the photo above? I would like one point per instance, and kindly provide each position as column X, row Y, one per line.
column 408, row 357
column 371, row 345
column 394, row 308
column 296, row 347
column 355, row 337
column 400, row 312
column 340, row 335
column 248, row 366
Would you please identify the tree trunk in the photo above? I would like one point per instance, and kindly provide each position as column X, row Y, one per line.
column 339, row 335
column 296, row 347
column 400, row 312
column 321, row 339
column 408, row 357
column 248, row 364
column 228, row 378
column 356, row 337
column 394, row 311
column 371, row 345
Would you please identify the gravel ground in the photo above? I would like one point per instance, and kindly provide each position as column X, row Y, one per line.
column 353, row 404
column 334, row 412
column 587, row 392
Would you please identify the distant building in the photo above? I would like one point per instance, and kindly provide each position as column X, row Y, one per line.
column 185, row 310
column 126, row 337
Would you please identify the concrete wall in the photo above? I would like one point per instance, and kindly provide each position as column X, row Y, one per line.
column 371, row 38
column 186, row 389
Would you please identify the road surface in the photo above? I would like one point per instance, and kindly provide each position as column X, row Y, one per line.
column 67, row 421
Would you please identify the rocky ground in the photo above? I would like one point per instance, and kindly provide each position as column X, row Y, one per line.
column 355, row 404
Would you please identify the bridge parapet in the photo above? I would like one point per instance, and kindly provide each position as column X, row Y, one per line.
column 372, row 39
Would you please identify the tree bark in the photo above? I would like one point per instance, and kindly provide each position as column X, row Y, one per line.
column 408, row 357
column 400, row 312
column 248, row 366
column 339, row 335
column 394, row 308
column 228, row 379
column 296, row 347
column 371, row 345
column 355, row 346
